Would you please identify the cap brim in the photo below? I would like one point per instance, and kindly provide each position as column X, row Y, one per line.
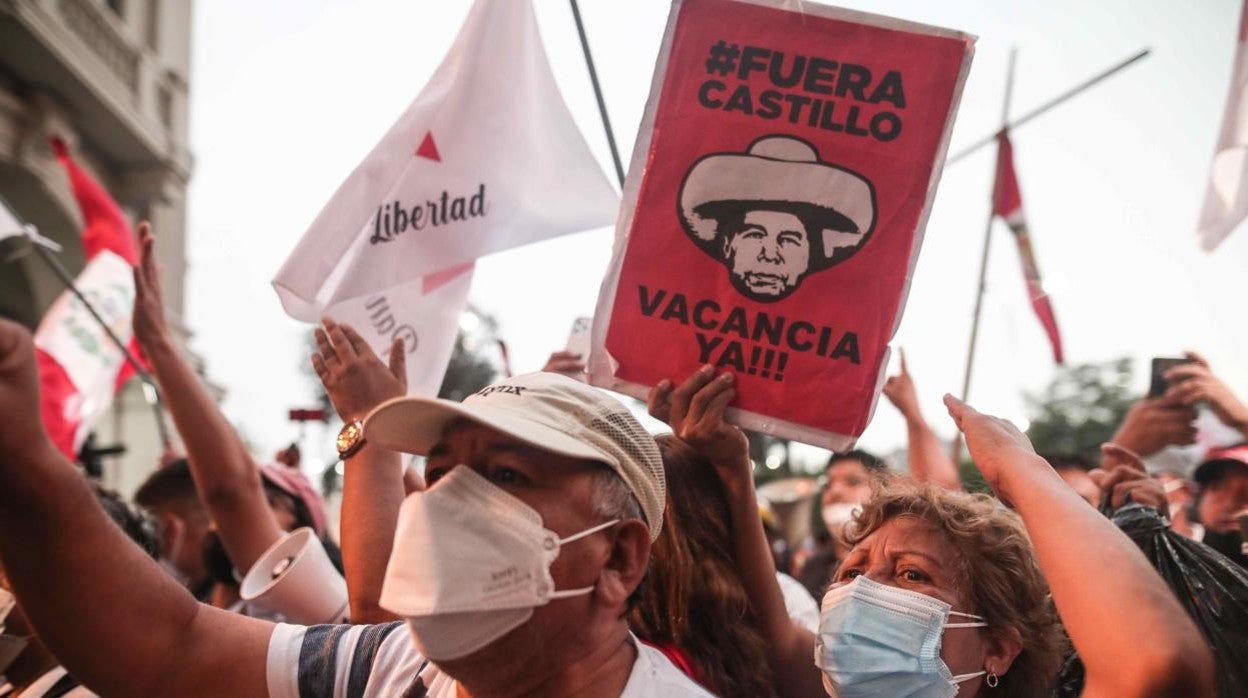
column 415, row 425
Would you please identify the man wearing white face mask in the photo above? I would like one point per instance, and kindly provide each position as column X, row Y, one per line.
column 533, row 456
column 513, row 570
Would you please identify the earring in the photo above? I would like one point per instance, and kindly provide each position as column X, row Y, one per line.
column 992, row 679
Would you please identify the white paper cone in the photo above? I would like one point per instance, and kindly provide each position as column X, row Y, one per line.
column 295, row 578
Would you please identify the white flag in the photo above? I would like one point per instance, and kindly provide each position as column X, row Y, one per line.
column 486, row 158
column 9, row 225
column 1226, row 199
column 423, row 312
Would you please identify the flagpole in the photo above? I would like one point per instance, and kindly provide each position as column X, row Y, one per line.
column 1081, row 87
column 602, row 105
column 63, row 274
column 983, row 260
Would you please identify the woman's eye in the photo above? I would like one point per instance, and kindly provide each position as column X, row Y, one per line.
column 851, row 573
column 914, row 576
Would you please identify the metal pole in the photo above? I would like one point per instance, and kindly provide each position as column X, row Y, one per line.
column 983, row 261
column 63, row 274
column 1045, row 107
column 602, row 105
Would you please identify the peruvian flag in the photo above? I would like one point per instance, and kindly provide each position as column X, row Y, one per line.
column 486, row 158
column 80, row 368
column 1007, row 202
column 1226, row 198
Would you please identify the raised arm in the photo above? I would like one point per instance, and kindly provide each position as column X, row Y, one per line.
column 373, row 484
column 695, row 411
column 928, row 460
column 111, row 616
column 225, row 475
column 1106, row 593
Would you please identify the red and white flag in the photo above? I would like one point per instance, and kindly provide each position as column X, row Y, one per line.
column 1007, row 202
column 80, row 368
column 486, row 158
column 1226, row 198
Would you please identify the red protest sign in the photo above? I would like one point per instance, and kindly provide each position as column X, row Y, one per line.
column 775, row 207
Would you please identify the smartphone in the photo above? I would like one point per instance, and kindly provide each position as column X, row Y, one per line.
column 578, row 338
column 1157, row 383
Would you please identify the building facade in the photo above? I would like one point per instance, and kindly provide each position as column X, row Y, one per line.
column 111, row 78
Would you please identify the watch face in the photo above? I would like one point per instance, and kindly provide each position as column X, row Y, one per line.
column 348, row 437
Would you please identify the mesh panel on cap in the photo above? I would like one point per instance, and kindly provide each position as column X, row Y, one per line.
column 642, row 465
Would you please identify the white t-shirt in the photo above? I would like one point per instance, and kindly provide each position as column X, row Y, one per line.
column 376, row 661
column 46, row 683
column 801, row 606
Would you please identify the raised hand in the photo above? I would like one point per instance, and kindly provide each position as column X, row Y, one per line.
column 1193, row 383
column 23, row 438
column 899, row 390
column 996, row 445
column 1154, row 423
column 568, row 363
column 695, row 411
column 354, row 377
column 149, row 305
column 1122, row 474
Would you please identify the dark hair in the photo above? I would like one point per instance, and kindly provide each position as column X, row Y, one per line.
column 1069, row 461
column 695, row 598
column 874, row 464
column 171, row 486
column 137, row 526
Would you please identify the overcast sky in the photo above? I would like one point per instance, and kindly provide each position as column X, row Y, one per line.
column 289, row 95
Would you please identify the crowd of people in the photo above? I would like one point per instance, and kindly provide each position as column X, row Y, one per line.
column 553, row 547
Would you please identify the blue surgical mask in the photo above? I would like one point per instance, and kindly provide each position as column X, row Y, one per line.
column 878, row 640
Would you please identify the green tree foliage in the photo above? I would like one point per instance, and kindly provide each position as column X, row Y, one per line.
column 1081, row 408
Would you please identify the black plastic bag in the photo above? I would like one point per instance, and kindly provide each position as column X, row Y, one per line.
column 1210, row 587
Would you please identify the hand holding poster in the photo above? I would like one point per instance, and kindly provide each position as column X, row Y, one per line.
column 775, row 208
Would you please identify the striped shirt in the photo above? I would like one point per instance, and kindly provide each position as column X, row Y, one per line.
column 372, row 661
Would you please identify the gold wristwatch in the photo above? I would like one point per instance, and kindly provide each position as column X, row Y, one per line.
column 350, row 439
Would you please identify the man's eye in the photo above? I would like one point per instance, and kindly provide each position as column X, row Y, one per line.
column 432, row 475
column 507, row 476
column 790, row 239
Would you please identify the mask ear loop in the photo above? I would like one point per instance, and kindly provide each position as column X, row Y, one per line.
column 565, row 593
column 589, row 531
column 979, row 624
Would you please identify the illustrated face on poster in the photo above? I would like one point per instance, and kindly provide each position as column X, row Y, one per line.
column 744, row 210
column 775, row 206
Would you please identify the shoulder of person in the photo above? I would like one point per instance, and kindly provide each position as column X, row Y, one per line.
column 319, row 660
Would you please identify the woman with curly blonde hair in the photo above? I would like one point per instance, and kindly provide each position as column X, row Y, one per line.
column 945, row 594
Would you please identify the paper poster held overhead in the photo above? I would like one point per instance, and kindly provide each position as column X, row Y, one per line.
column 775, row 208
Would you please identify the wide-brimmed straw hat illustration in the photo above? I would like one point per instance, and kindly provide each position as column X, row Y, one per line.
column 775, row 214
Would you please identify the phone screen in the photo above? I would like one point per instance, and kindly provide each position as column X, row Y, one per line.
column 1157, row 383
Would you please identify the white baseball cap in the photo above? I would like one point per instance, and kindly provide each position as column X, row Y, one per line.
column 546, row 410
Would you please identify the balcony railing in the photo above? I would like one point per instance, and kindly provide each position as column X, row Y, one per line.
column 87, row 20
